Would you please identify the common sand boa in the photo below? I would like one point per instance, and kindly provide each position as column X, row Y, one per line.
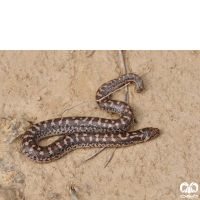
column 81, row 132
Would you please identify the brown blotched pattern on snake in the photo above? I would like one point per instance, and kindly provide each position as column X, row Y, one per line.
column 81, row 132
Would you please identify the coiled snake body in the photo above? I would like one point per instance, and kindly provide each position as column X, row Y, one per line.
column 81, row 132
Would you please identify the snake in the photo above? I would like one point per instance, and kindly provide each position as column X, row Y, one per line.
column 83, row 132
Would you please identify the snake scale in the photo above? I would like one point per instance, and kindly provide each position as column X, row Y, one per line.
column 82, row 132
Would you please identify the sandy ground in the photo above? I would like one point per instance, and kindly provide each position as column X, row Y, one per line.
column 38, row 85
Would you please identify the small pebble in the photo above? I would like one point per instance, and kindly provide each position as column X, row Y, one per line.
column 38, row 98
column 71, row 175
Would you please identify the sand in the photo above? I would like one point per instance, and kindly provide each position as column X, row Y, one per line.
column 38, row 85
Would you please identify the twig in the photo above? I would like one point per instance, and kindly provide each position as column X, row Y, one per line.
column 109, row 158
column 92, row 155
column 146, row 72
column 120, row 56
column 86, row 187
column 91, row 53
column 72, row 194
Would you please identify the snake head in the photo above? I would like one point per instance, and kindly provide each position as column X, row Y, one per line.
column 150, row 133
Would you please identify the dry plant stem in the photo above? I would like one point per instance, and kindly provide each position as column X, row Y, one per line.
column 146, row 72
column 92, row 156
column 91, row 53
column 86, row 187
column 109, row 158
column 72, row 194
column 121, row 60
